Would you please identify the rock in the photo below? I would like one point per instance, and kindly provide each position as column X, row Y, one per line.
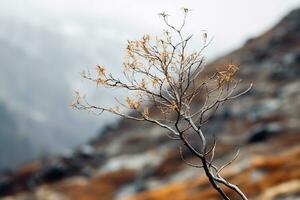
column 262, row 110
column 86, row 151
column 53, row 172
column 263, row 132
column 6, row 186
column 289, row 90
column 286, row 68
column 131, row 189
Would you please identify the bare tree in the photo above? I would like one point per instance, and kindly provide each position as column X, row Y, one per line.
column 164, row 76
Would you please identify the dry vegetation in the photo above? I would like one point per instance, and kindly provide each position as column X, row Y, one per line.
column 162, row 72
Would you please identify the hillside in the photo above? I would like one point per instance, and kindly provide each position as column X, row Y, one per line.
column 137, row 161
column 13, row 142
column 37, row 61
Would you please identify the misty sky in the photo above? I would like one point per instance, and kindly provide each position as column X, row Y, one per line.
column 112, row 23
column 88, row 32
column 231, row 22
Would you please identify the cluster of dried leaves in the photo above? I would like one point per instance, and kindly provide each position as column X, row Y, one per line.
column 162, row 73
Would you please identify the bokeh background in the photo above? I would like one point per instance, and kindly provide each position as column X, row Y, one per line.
column 45, row 44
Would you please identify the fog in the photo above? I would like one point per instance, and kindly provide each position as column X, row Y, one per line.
column 44, row 44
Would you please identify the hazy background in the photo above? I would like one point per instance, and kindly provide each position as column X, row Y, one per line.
column 44, row 44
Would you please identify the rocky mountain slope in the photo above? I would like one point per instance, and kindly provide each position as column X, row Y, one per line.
column 38, row 59
column 12, row 138
column 138, row 161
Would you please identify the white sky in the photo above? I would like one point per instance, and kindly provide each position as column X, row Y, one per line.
column 231, row 22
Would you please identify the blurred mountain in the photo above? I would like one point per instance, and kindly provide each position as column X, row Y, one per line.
column 138, row 161
column 39, row 62
column 14, row 147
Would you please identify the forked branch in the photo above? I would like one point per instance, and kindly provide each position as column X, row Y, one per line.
column 165, row 76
